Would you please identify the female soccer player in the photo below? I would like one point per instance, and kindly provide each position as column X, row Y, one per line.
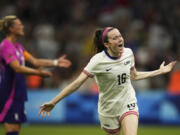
column 113, row 68
column 12, row 70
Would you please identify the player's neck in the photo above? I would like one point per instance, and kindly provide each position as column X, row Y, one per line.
column 12, row 38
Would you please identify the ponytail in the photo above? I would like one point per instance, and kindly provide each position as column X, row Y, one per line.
column 100, row 37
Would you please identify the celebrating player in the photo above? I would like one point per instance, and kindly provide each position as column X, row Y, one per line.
column 12, row 70
column 113, row 68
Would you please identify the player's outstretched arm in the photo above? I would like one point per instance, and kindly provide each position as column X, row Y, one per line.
column 60, row 62
column 47, row 107
column 136, row 75
column 15, row 65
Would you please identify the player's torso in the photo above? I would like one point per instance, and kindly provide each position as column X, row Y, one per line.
column 20, row 84
column 113, row 79
column 17, row 51
column 8, row 77
column 113, row 73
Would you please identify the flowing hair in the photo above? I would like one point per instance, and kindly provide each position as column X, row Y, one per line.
column 100, row 37
column 5, row 23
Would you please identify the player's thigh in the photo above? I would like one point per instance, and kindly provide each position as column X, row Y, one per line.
column 16, row 114
column 130, row 124
column 9, row 127
column 14, row 117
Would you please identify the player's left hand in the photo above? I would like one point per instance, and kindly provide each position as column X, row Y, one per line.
column 63, row 62
column 46, row 108
column 165, row 69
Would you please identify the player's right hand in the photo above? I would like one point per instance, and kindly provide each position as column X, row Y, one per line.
column 46, row 108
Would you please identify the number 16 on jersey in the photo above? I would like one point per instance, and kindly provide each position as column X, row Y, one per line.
column 121, row 78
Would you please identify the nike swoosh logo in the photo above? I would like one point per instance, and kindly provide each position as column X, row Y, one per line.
column 126, row 63
column 108, row 69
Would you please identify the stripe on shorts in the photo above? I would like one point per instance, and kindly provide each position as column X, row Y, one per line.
column 8, row 103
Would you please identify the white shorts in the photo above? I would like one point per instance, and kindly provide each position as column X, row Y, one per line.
column 115, row 122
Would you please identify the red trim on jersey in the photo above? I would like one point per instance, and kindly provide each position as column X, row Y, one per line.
column 88, row 74
column 128, row 113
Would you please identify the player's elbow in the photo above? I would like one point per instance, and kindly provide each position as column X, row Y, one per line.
column 16, row 67
column 76, row 84
column 79, row 81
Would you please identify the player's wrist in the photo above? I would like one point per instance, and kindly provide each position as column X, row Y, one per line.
column 51, row 102
column 160, row 71
column 55, row 62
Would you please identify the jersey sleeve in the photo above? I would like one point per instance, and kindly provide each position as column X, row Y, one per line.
column 91, row 67
column 132, row 60
column 8, row 53
column 26, row 55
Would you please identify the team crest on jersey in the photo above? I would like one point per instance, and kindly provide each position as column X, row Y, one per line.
column 127, row 62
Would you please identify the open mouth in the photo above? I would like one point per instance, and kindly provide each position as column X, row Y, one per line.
column 120, row 45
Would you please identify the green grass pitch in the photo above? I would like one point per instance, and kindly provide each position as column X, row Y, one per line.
column 90, row 130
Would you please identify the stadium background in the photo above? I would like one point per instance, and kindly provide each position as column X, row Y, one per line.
column 150, row 28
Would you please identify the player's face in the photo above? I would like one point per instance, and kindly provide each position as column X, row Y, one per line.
column 17, row 28
column 115, row 45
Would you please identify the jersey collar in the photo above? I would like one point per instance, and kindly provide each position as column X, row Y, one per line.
column 111, row 57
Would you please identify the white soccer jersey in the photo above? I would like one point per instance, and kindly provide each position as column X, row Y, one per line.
column 112, row 76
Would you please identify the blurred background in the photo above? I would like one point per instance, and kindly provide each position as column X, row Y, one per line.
column 150, row 28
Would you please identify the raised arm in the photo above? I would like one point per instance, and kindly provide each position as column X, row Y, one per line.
column 136, row 75
column 47, row 107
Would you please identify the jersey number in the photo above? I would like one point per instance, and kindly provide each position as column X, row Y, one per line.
column 121, row 78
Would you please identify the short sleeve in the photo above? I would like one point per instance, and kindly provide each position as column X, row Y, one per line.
column 132, row 60
column 8, row 53
column 26, row 55
column 91, row 67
